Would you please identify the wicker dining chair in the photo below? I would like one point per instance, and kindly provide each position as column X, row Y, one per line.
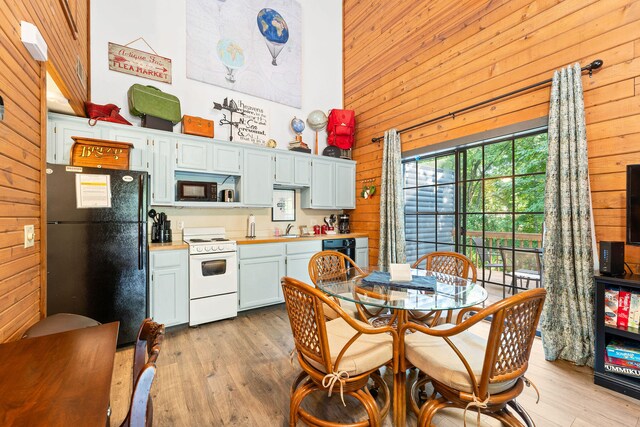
column 451, row 264
column 333, row 265
column 469, row 371
column 145, row 355
column 339, row 355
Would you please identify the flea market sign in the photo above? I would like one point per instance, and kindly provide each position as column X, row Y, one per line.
column 139, row 63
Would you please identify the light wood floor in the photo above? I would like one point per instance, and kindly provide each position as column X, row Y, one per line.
column 238, row 373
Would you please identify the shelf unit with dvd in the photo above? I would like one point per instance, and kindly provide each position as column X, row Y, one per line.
column 604, row 334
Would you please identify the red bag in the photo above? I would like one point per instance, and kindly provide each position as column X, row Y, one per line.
column 107, row 113
column 341, row 128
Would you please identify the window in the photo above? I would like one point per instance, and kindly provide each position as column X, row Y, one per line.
column 484, row 200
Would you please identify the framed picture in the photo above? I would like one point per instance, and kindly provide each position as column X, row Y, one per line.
column 284, row 205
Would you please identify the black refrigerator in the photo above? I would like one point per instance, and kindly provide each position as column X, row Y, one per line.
column 97, row 256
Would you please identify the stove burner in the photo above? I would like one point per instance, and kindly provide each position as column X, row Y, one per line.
column 215, row 239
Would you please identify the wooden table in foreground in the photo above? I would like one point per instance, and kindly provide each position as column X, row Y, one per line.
column 58, row 380
column 426, row 291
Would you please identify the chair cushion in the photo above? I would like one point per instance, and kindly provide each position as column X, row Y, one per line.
column 60, row 322
column 436, row 358
column 368, row 352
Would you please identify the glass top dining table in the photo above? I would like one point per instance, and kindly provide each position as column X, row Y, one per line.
column 426, row 291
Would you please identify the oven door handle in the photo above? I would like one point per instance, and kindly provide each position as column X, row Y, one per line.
column 213, row 256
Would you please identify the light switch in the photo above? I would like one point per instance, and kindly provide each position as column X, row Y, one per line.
column 29, row 236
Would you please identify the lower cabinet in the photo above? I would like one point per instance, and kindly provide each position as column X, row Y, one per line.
column 169, row 287
column 263, row 265
column 362, row 252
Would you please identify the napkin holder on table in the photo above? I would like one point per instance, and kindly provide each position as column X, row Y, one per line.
column 400, row 272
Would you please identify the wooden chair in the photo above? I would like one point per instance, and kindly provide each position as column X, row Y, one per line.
column 449, row 263
column 473, row 372
column 145, row 354
column 340, row 354
column 333, row 265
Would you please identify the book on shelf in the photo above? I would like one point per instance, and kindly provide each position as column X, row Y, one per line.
column 623, row 369
column 634, row 310
column 624, row 303
column 611, row 307
column 624, row 350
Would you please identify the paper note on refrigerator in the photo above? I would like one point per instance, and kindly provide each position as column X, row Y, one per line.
column 93, row 191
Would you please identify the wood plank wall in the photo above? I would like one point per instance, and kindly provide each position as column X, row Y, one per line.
column 407, row 61
column 22, row 148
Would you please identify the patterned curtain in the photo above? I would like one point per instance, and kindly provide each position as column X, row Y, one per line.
column 568, row 316
column 392, row 241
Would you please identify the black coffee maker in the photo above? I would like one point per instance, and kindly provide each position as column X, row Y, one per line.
column 343, row 224
column 161, row 228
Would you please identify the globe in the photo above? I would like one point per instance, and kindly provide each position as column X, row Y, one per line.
column 297, row 125
column 317, row 120
column 273, row 26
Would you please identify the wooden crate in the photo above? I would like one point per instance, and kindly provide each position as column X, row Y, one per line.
column 100, row 153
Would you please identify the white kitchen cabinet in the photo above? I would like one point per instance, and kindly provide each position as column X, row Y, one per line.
column 59, row 147
column 362, row 252
column 257, row 181
column 139, row 158
column 298, row 256
column 162, row 183
column 321, row 195
column 292, row 170
column 302, row 171
column 261, row 267
column 193, row 155
column 169, row 287
column 345, row 186
column 227, row 159
column 284, row 169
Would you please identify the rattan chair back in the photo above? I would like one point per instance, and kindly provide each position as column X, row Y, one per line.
column 451, row 263
column 308, row 325
column 330, row 265
column 513, row 329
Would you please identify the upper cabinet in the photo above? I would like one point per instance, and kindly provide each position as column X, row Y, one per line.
column 59, row 148
column 345, row 185
column 332, row 185
column 251, row 171
column 292, row 170
column 193, row 156
column 138, row 157
column 227, row 159
column 257, row 183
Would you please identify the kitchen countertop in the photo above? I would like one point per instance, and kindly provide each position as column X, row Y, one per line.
column 168, row 246
column 272, row 239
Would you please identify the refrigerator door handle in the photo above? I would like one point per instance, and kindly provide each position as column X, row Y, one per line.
column 141, row 218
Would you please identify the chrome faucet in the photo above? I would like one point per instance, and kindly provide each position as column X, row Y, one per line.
column 289, row 227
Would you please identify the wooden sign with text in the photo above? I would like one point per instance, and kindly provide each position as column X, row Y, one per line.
column 138, row 63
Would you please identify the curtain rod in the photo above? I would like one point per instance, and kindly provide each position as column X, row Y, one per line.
column 590, row 67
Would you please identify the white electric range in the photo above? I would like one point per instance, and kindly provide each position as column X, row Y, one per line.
column 213, row 275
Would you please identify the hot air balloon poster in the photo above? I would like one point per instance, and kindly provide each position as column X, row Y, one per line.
column 249, row 46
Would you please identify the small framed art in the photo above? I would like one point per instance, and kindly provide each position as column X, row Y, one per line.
column 284, row 205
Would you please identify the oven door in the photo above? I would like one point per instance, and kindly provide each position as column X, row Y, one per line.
column 213, row 274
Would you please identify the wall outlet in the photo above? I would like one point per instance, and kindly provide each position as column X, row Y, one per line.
column 29, row 236
column 180, row 225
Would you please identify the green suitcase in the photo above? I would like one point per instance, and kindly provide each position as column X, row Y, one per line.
column 149, row 100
